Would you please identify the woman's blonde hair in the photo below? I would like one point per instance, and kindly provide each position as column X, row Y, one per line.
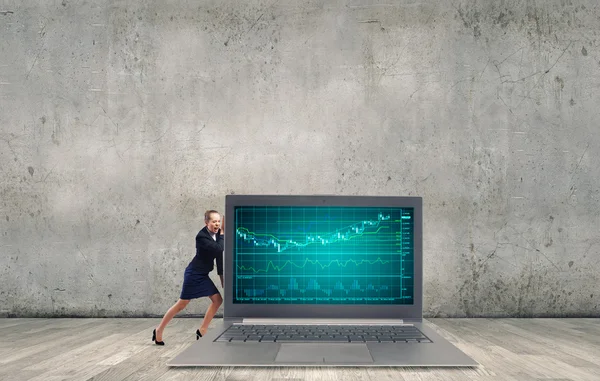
column 208, row 213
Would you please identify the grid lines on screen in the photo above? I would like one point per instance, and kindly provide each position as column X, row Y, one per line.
column 323, row 255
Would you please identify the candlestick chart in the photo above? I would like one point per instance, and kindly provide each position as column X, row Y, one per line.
column 323, row 255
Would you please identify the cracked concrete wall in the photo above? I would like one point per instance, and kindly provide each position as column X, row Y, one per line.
column 121, row 122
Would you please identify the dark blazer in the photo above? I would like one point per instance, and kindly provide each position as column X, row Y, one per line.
column 207, row 252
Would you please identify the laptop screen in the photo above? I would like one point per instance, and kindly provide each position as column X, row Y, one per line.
column 322, row 254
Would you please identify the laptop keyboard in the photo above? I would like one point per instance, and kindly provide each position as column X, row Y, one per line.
column 323, row 333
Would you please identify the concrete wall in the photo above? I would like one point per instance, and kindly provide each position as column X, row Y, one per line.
column 122, row 121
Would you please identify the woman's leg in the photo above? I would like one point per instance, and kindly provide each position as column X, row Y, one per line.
column 177, row 307
column 216, row 301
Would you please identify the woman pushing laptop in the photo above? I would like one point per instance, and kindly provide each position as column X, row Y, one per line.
column 196, row 282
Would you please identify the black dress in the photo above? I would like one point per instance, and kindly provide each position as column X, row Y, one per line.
column 196, row 282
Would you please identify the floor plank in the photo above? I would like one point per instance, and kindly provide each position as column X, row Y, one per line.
column 121, row 349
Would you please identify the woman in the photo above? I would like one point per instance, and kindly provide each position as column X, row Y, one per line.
column 196, row 283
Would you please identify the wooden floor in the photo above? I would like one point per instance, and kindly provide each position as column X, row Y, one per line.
column 121, row 349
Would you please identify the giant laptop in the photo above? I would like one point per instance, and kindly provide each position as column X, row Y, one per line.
column 322, row 281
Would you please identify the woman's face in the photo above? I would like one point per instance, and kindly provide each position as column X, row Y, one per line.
column 214, row 222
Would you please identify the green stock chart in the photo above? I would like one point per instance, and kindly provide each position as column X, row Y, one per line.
column 323, row 255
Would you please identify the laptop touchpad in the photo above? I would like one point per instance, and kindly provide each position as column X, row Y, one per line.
column 324, row 353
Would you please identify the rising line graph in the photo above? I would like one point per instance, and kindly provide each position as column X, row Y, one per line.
column 338, row 235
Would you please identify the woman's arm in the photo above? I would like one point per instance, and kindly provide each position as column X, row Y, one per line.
column 205, row 242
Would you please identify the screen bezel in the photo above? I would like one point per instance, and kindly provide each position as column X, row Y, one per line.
column 239, row 310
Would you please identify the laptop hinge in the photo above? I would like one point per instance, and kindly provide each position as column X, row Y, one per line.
column 311, row 321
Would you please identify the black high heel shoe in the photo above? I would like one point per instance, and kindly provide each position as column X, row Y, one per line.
column 154, row 339
column 198, row 334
